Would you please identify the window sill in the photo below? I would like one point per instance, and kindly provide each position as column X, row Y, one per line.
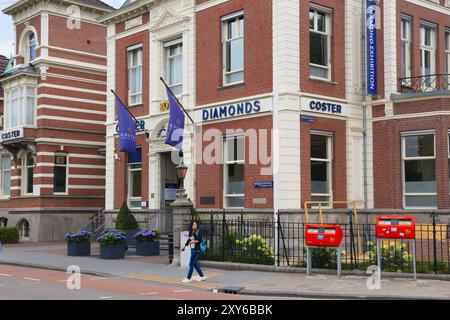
column 322, row 80
column 135, row 105
column 232, row 85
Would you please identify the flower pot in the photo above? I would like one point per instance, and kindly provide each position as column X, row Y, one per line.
column 130, row 236
column 147, row 248
column 77, row 249
column 112, row 251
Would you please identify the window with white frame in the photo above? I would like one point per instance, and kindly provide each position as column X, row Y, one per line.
column 233, row 48
column 234, row 178
column 321, row 166
column 134, row 178
column 60, row 174
column 31, row 47
column 320, row 43
column 20, row 107
column 419, row 170
column 27, row 173
column 428, row 56
column 174, row 65
column 405, row 30
column 447, row 59
column 5, row 175
column 134, row 75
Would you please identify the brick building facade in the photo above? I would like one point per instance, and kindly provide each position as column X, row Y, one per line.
column 53, row 138
column 276, row 91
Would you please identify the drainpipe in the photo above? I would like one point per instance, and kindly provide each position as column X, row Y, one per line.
column 364, row 98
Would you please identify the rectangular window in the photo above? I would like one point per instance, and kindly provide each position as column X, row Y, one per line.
column 447, row 59
column 174, row 65
column 233, row 48
column 135, row 75
column 60, row 174
column 32, row 47
column 27, row 173
column 5, row 174
column 419, row 170
column 321, row 166
column 405, row 30
column 320, row 44
column 428, row 57
column 20, row 107
column 134, row 178
column 234, row 178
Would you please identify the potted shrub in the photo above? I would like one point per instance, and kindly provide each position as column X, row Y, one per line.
column 127, row 223
column 112, row 244
column 147, row 243
column 78, row 243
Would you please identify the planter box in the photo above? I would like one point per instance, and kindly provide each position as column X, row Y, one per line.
column 78, row 249
column 147, row 248
column 113, row 251
column 130, row 236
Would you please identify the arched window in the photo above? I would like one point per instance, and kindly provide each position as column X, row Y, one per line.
column 3, row 222
column 31, row 46
column 24, row 229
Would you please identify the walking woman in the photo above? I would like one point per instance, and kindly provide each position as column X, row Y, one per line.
column 195, row 238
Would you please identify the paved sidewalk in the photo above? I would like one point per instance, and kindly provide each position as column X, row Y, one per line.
column 156, row 269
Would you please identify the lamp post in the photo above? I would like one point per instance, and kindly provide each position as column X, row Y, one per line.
column 181, row 174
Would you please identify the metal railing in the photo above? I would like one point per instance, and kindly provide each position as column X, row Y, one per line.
column 425, row 83
column 236, row 238
column 96, row 224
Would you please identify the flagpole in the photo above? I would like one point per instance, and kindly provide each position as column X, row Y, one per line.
column 179, row 103
column 126, row 108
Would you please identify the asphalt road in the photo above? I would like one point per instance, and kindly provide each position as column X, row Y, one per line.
column 22, row 283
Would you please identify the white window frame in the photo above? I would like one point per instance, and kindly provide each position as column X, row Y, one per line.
column 447, row 56
column 55, row 165
column 428, row 48
column 4, row 157
column 227, row 162
column 328, row 33
column 25, row 167
column 225, row 40
column 404, row 158
column 138, row 95
column 178, row 42
column 31, row 45
column 329, row 160
column 22, row 106
column 405, row 36
column 131, row 199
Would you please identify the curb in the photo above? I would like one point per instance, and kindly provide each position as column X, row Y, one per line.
column 232, row 266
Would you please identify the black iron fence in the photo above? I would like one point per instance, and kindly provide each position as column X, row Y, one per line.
column 425, row 83
column 236, row 238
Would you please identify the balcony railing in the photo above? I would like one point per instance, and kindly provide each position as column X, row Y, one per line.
column 426, row 83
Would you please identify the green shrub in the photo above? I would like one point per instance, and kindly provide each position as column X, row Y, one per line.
column 125, row 219
column 9, row 235
column 394, row 257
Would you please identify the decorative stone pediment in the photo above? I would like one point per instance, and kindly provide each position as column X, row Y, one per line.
column 160, row 130
column 169, row 18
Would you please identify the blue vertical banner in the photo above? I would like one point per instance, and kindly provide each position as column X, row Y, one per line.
column 127, row 129
column 175, row 128
column 371, row 46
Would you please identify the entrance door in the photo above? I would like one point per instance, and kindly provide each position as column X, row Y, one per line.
column 169, row 186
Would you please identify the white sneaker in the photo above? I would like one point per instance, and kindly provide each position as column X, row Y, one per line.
column 186, row 280
column 201, row 279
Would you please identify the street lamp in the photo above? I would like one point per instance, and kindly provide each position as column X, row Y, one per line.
column 181, row 173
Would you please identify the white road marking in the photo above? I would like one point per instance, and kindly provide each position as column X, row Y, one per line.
column 178, row 291
column 5, row 275
column 148, row 293
column 93, row 279
column 105, row 297
column 32, row 279
column 1, row 285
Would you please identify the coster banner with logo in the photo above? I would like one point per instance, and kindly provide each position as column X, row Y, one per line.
column 175, row 128
column 127, row 129
column 371, row 42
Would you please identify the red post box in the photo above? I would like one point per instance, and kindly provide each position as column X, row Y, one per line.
column 323, row 235
column 395, row 227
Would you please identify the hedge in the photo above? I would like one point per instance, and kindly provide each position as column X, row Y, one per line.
column 9, row 235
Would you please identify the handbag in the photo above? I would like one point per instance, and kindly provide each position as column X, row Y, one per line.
column 202, row 245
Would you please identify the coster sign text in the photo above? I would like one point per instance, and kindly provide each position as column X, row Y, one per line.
column 11, row 134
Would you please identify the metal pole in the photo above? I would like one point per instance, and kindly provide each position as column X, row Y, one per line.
column 434, row 243
column 414, row 259
column 308, row 261
column 379, row 258
column 339, row 261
